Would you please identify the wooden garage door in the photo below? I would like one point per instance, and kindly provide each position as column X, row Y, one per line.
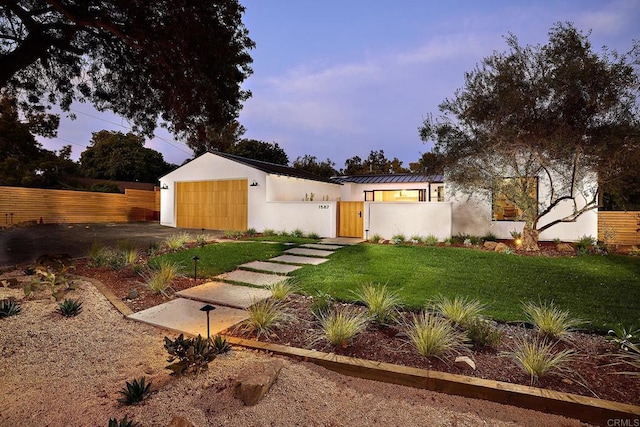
column 214, row 205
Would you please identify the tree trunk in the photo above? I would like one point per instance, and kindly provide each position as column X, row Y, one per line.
column 530, row 238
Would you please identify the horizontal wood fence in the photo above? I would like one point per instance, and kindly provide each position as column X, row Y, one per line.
column 19, row 205
column 619, row 228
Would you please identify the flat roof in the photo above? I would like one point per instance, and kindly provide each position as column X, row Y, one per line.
column 388, row 178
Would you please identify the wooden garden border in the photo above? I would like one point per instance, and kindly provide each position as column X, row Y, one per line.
column 583, row 408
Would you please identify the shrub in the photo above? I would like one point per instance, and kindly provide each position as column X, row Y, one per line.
column 124, row 422
column 69, row 307
column 269, row 232
column 264, row 316
column 549, row 320
column 233, row 234
column 537, row 357
column 381, row 302
column 159, row 280
column 97, row 255
column 460, row 310
column 220, row 344
column 340, row 326
column 56, row 278
column 585, row 245
column 482, row 333
column 625, row 338
column 433, row 336
column 431, row 240
column 177, row 241
column 9, row 307
column 313, row 235
column 515, row 235
column 321, row 304
column 153, row 248
column 134, row 391
column 398, row 239
column 281, row 290
column 297, row 233
column 202, row 240
column 375, row 238
column 191, row 354
column 415, row 239
column 490, row 237
column 252, row 232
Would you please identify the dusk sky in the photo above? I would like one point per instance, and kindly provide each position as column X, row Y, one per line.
column 338, row 79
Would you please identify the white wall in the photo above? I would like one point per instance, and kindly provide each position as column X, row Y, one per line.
column 285, row 188
column 472, row 215
column 310, row 217
column 409, row 218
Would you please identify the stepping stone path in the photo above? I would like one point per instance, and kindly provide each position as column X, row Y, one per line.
column 183, row 314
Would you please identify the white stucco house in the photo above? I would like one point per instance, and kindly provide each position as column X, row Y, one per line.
column 226, row 192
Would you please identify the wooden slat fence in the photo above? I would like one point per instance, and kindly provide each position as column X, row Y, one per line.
column 18, row 205
column 619, row 228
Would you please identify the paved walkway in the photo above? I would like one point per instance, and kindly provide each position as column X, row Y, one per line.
column 233, row 292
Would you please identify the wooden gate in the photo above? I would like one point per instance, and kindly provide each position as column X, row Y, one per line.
column 350, row 219
column 213, row 205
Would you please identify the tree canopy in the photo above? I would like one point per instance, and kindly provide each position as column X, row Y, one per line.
column 376, row 163
column 260, row 150
column 181, row 61
column 23, row 161
column 558, row 111
column 119, row 157
column 325, row 169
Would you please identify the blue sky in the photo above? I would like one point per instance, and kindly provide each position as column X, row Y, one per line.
column 336, row 79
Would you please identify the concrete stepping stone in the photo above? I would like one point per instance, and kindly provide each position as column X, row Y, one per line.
column 184, row 316
column 270, row 267
column 252, row 278
column 308, row 252
column 219, row 293
column 321, row 246
column 293, row 259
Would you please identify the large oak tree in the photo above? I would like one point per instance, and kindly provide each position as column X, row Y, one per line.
column 179, row 61
column 558, row 111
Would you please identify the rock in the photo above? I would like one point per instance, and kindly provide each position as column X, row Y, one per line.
column 465, row 363
column 255, row 382
column 177, row 421
column 501, row 247
column 490, row 245
column 133, row 293
column 565, row 247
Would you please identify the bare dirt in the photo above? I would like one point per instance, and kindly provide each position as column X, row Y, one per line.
column 60, row 371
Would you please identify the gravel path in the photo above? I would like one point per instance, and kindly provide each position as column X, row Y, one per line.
column 57, row 371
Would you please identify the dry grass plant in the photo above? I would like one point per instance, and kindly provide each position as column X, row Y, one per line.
column 549, row 320
column 432, row 335
column 382, row 303
column 340, row 326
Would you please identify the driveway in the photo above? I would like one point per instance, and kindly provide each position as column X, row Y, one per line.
column 25, row 245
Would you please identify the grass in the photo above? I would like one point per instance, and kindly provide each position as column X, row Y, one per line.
column 538, row 358
column 340, row 326
column 433, row 336
column 601, row 289
column 382, row 303
column 459, row 310
column 549, row 320
column 220, row 257
column 264, row 316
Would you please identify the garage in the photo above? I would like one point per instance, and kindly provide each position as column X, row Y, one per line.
column 212, row 205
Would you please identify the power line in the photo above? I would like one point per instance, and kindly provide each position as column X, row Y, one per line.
column 177, row 147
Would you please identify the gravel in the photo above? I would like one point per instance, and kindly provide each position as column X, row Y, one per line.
column 58, row 371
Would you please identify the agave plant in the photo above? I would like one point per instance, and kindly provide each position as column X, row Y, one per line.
column 220, row 344
column 9, row 307
column 134, row 391
column 69, row 307
column 124, row 422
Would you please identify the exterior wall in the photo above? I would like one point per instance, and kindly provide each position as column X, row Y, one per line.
column 472, row 215
column 209, row 167
column 289, row 189
column 310, row 217
column 409, row 218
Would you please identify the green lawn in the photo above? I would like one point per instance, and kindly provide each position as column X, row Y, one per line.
column 221, row 257
column 603, row 290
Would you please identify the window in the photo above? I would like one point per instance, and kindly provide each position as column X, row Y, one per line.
column 512, row 195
